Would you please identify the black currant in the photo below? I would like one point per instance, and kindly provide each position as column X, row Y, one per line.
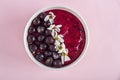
column 40, row 29
column 49, row 40
column 48, row 53
column 49, row 61
column 36, row 21
column 41, row 37
column 43, row 46
column 57, row 63
column 39, row 57
column 30, row 38
column 31, row 30
column 52, row 48
column 32, row 47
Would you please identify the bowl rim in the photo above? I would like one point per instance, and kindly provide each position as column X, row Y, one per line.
column 62, row 8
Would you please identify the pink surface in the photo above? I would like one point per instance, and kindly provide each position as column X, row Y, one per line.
column 102, row 60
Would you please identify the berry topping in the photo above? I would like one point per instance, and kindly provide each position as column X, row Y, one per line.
column 33, row 48
column 48, row 53
column 39, row 57
column 47, row 23
column 30, row 38
column 42, row 15
column 31, row 30
column 52, row 48
column 56, row 55
column 40, row 29
column 48, row 32
column 49, row 61
column 36, row 21
column 43, row 46
column 49, row 40
column 41, row 37
column 57, row 63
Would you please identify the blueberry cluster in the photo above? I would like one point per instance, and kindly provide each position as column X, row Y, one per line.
column 41, row 42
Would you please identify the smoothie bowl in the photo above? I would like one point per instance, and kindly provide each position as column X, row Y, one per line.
column 56, row 37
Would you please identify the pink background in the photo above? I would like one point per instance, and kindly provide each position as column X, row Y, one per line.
column 102, row 60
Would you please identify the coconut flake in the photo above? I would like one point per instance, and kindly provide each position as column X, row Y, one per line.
column 50, row 17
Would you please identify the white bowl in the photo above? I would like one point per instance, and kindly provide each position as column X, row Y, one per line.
column 62, row 8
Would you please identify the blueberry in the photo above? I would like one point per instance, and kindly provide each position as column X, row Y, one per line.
column 41, row 37
column 33, row 48
column 47, row 53
column 30, row 38
column 47, row 23
column 47, row 32
column 40, row 29
column 42, row 15
column 49, row 61
column 52, row 48
column 39, row 57
column 49, row 40
column 31, row 30
column 43, row 46
column 57, row 63
column 36, row 21
column 56, row 55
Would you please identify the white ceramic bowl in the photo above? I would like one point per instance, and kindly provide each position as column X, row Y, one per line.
column 46, row 9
